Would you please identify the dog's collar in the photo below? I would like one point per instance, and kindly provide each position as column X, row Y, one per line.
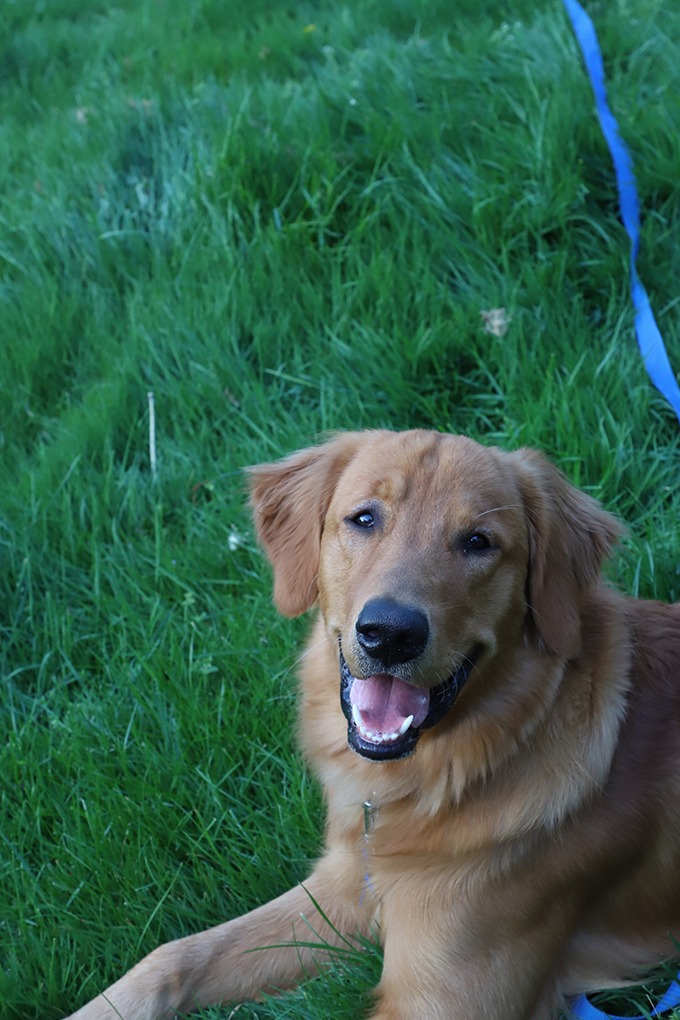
column 370, row 811
column 370, row 815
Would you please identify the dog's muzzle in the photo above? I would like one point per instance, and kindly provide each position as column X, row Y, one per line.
column 386, row 715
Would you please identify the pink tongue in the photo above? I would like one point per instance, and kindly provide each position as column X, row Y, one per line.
column 385, row 701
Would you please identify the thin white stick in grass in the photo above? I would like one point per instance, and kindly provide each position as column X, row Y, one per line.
column 152, row 434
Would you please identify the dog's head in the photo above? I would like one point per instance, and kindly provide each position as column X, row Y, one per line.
column 428, row 554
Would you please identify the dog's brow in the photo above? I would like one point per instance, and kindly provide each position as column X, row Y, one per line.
column 508, row 506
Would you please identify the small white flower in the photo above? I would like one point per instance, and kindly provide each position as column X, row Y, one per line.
column 496, row 321
column 235, row 540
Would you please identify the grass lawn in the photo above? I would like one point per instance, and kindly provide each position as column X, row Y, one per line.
column 281, row 219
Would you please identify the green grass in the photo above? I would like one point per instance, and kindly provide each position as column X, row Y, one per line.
column 281, row 219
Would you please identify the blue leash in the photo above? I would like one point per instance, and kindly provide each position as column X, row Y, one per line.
column 649, row 338
column 647, row 332
column 581, row 1009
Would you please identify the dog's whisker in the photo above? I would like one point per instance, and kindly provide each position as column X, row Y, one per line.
column 497, row 509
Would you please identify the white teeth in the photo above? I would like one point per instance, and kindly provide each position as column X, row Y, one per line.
column 404, row 726
column 378, row 738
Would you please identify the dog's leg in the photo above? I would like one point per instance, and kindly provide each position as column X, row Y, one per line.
column 503, row 984
column 236, row 960
column 446, row 959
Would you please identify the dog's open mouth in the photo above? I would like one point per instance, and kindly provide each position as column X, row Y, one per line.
column 385, row 715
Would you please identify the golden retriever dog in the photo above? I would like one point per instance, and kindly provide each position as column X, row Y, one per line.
column 496, row 731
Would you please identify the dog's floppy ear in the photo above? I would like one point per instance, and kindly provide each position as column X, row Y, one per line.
column 570, row 535
column 289, row 499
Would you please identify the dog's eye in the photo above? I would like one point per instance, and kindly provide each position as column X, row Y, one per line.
column 362, row 518
column 477, row 542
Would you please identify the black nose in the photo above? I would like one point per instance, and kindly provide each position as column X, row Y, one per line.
column 391, row 632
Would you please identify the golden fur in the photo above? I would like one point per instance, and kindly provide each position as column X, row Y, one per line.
column 529, row 848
